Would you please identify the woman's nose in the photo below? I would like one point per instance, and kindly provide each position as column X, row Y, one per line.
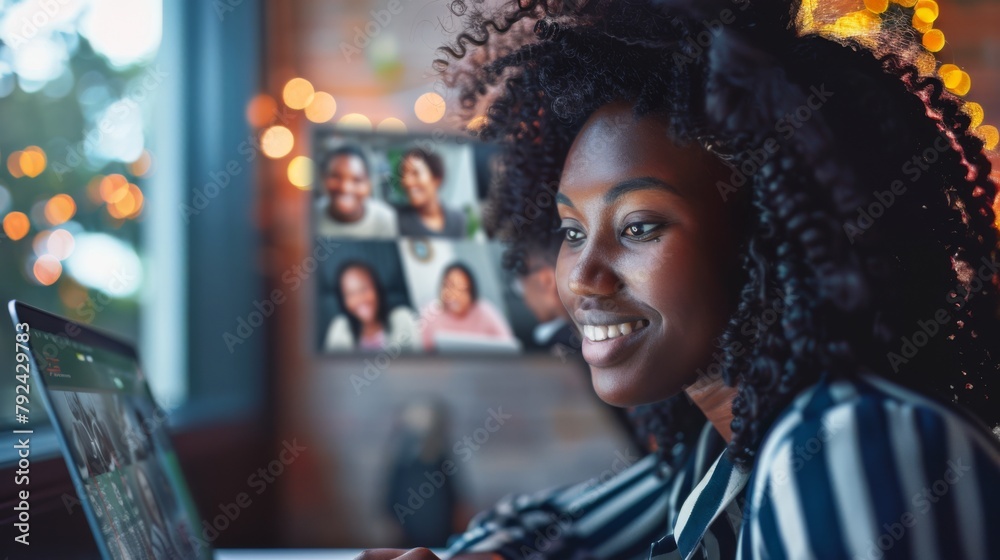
column 593, row 274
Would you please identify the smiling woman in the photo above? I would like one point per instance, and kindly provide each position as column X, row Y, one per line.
column 711, row 159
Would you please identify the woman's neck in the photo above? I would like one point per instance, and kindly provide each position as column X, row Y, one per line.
column 431, row 210
column 371, row 329
column 715, row 399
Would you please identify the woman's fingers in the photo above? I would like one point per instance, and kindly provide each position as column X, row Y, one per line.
column 397, row 554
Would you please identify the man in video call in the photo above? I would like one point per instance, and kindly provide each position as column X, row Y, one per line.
column 347, row 208
column 536, row 283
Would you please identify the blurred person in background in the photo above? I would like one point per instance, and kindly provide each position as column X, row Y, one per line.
column 460, row 311
column 366, row 322
column 347, row 208
column 421, row 174
column 536, row 285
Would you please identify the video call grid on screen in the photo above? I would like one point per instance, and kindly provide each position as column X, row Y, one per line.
column 432, row 280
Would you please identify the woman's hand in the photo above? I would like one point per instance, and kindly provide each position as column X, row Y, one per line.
column 417, row 554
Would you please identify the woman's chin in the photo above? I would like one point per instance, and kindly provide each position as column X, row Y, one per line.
column 622, row 387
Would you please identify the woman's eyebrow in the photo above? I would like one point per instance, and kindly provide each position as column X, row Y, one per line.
column 637, row 184
column 626, row 186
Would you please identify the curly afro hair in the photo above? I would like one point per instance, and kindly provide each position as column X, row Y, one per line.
column 870, row 220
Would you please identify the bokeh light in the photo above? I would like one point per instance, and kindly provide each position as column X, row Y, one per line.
column 933, row 40
column 476, row 123
column 926, row 10
column 261, row 110
column 322, row 108
column 989, row 135
column 94, row 189
column 105, row 263
column 113, row 188
column 300, row 172
column 40, row 244
column 14, row 164
column 141, row 166
column 60, row 209
column 298, row 93
column 964, row 84
column 276, row 142
column 877, row 6
column 429, row 108
column 47, row 270
column 32, row 161
column 355, row 121
column 123, row 31
column 61, row 244
column 392, row 124
column 975, row 112
column 129, row 205
column 16, row 225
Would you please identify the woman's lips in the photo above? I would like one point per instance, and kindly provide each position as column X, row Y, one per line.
column 605, row 345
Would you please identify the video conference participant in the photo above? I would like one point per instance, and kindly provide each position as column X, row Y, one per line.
column 536, row 284
column 421, row 175
column 366, row 323
column 347, row 208
column 460, row 311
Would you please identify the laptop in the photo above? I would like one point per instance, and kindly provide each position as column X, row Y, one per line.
column 116, row 445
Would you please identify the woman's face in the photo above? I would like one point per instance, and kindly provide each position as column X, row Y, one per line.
column 360, row 296
column 347, row 184
column 649, row 252
column 419, row 183
column 456, row 293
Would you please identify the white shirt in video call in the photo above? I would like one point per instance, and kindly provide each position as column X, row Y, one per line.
column 379, row 221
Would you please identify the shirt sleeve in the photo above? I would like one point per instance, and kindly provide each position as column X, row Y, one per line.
column 494, row 321
column 615, row 515
column 876, row 478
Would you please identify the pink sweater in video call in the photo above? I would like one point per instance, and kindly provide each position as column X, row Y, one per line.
column 482, row 320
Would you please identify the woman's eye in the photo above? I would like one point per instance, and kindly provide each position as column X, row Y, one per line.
column 571, row 234
column 639, row 229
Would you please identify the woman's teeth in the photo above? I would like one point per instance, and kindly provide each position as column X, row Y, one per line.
column 597, row 333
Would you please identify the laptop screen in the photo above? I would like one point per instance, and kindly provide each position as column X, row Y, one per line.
column 117, row 444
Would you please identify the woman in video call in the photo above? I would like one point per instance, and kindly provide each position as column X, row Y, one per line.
column 366, row 322
column 817, row 383
column 460, row 311
column 421, row 174
column 347, row 208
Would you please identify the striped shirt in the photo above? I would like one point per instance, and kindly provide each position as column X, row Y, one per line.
column 860, row 469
